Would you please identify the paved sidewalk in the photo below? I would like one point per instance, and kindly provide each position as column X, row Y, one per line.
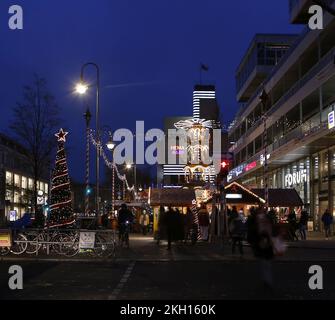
column 145, row 248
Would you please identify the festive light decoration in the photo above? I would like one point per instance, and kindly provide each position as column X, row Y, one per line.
column 61, row 212
column 195, row 219
column 109, row 163
column 193, row 123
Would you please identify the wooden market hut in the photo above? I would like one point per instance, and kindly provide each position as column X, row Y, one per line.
column 175, row 198
column 241, row 197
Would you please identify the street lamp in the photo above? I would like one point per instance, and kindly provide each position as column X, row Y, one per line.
column 87, row 117
column 110, row 146
column 82, row 88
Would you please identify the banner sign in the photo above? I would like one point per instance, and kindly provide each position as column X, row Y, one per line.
column 87, row 240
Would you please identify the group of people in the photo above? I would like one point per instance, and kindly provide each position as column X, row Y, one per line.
column 173, row 225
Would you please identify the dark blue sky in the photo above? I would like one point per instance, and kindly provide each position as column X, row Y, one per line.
column 158, row 43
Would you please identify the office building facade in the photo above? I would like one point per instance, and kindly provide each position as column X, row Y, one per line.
column 294, row 130
column 16, row 181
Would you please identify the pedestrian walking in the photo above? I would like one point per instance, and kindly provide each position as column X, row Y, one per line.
column 171, row 220
column 237, row 233
column 144, row 222
column 204, row 223
column 260, row 233
column 292, row 223
column 161, row 234
column 327, row 220
column 303, row 224
column 188, row 221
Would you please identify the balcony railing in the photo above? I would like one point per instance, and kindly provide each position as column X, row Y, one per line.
column 328, row 58
column 311, row 126
column 275, row 69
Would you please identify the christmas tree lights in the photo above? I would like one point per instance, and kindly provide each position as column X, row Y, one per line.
column 61, row 212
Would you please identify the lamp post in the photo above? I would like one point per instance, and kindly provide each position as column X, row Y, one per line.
column 110, row 146
column 87, row 117
column 82, row 88
column 264, row 100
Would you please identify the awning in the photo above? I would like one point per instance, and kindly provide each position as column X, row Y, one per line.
column 281, row 197
column 171, row 197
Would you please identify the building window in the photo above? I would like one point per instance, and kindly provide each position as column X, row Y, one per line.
column 316, row 167
column 311, row 105
column 16, row 197
column 332, row 165
column 9, row 178
column 17, row 181
column 30, row 184
column 250, row 149
column 9, row 195
column 292, row 119
column 258, row 143
column 24, row 183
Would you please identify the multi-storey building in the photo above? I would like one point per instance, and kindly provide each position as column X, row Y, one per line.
column 16, row 182
column 205, row 112
column 297, row 119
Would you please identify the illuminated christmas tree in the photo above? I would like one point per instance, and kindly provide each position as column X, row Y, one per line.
column 61, row 212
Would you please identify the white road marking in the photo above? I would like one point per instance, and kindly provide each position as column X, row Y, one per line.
column 122, row 282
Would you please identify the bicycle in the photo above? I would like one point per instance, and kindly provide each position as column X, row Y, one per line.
column 124, row 234
column 104, row 248
column 20, row 243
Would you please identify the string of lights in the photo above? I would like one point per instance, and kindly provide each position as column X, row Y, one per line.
column 110, row 164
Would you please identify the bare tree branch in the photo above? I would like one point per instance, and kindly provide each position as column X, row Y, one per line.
column 35, row 120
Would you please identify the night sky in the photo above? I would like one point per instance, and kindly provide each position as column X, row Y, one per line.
column 149, row 52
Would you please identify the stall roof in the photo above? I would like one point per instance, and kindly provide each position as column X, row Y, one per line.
column 281, row 197
column 172, row 197
column 237, row 194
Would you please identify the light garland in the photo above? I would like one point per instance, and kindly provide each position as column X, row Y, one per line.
column 109, row 163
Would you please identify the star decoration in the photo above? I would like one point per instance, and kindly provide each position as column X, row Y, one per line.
column 61, row 135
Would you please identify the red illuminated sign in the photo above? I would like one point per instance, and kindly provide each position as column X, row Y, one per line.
column 251, row 166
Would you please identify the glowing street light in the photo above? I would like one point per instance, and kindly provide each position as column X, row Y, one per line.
column 128, row 166
column 81, row 88
column 110, row 145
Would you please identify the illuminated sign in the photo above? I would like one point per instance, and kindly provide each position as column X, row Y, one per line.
column 233, row 196
column 177, row 150
column 296, row 178
column 331, row 120
column 262, row 158
column 251, row 166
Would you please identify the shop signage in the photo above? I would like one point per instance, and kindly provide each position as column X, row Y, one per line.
column 40, row 198
column 178, row 150
column 13, row 216
column 294, row 179
column 87, row 240
column 331, row 120
column 251, row 166
column 5, row 239
column 233, row 196
column 262, row 158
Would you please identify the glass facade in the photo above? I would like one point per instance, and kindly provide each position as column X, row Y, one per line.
column 19, row 192
column 312, row 177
